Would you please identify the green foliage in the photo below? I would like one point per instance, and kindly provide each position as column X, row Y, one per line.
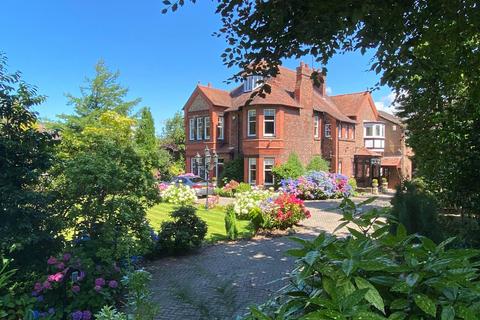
column 232, row 170
column 417, row 211
column 184, row 233
column 145, row 138
column 353, row 183
column 139, row 297
column 110, row 313
column 318, row 164
column 243, row 187
column 373, row 274
column 101, row 93
column 171, row 146
column 231, row 223
column 104, row 181
column 28, row 221
column 293, row 168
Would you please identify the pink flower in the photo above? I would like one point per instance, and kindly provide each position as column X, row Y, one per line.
column 67, row 256
column 100, row 282
column 98, row 288
column 57, row 277
column 52, row 260
column 38, row 286
column 113, row 284
column 76, row 288
column 47, row 285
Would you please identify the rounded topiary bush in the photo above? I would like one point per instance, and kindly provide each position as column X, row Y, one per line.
column 185, row 232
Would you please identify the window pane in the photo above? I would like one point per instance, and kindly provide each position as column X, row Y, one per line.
column 199, row 128
column 368, row 131
column 269, row 128
column 269, row 114
column 369, row 143
column 207, row 127
column 377, row 130
column 252, row 123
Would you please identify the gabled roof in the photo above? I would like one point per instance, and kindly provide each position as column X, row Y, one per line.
column 350, row 103
column 283, row 93
column 390, row 117
column 217, row 97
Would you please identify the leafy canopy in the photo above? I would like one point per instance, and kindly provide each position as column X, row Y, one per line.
column 26, row 154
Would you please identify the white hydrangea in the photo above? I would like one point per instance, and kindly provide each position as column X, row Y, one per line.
column 181, row 195
column 248, row 200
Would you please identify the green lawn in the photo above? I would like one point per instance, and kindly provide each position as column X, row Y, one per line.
column 213, row 217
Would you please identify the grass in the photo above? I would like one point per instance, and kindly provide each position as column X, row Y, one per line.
column 215, row 219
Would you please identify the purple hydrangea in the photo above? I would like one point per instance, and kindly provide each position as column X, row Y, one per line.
column 87, row 315
column 99, row 282
column 77, row 315
column 113, row 284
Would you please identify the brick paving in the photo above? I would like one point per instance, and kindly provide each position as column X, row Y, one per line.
column 220, row 281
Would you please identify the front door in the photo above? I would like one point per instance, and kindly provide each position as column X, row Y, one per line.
column 366, row 169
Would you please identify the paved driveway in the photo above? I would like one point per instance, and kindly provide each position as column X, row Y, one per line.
column 220, row 281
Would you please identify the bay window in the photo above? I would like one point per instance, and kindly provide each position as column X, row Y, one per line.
column 252, row 123
column 252, row 83
column 374, row 135
column 268, row 164
column 252, row 170
column 207, row 128
column 199, row 128
column 269, row 122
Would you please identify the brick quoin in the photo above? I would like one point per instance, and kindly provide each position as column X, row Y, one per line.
column 296, row 100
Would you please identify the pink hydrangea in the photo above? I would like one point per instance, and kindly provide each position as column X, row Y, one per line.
column 76, row 288
column 52, row 260
column 60, row 266
column 57, row 277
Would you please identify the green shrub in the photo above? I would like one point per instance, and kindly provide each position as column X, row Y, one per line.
column 353, row 183
column 417, row 211
column 232, row 170
column 231, row 223
column 377, row 275
column 184, row 233
column 110, row 313
column 318, row 164
column 243, row 187
column 293, row 168
column 139, row 297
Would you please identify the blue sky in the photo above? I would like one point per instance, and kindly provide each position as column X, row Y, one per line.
column 56, row 43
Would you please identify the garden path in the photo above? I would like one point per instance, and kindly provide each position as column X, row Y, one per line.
column 220, row 281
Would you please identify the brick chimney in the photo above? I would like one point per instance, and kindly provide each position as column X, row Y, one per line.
column 304, row 86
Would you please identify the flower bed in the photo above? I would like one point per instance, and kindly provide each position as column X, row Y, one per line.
column 318, row 185
column 178, row 194
column 282, row 211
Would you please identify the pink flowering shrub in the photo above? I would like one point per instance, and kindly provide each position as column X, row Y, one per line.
column 229, row 189
column 213, row 201
column 75, row 288
column 283, row 211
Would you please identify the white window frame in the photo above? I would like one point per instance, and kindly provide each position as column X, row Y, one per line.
column 265, row 121
column 191, row 128
column 271, row 162
column 199, row 129
column 339, row 129
column 316, row 126
column 328, row 130
column 221, row 127
column 206, row 121
column 252, row 83
column 251, row 113
column 252, row 161
column 374, row 126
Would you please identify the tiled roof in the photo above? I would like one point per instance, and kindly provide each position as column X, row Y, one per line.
column 217, row 97
column 362, row 151
column 325, row 104
column 391, row 162
column 282, row 93
column 349, row 103
column 390, row 117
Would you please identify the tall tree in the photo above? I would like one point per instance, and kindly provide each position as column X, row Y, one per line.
column 427, row 51
column 145, row 137
column 173, row 137
column 101, row 93
column 26, row 154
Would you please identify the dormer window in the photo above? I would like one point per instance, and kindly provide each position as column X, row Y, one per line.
column 252, row 83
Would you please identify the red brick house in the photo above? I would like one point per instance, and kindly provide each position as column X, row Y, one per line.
column 296, row 116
